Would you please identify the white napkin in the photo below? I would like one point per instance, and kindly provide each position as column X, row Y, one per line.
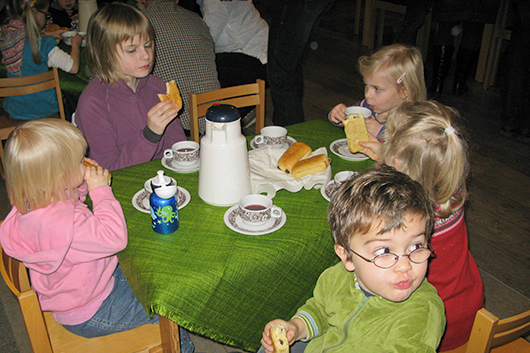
column 263, row 171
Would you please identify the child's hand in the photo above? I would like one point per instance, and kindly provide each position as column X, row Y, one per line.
column 96, row 177
column 338, row 113
column 77, row 40
column 266, row 340
column 161, row 115
column 372, row 148
column 373, row 126
column 56, row 34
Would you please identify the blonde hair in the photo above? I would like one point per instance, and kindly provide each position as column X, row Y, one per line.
column 402, row 65
column 425, row 140
column 109, row 27
column 23, row 11
column 42, row 159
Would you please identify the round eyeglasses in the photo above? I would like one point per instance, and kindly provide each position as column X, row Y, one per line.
column 388, row 260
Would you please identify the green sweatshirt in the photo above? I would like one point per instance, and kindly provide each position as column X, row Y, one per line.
column 341, row 318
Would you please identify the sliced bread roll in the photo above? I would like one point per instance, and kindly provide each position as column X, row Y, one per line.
column 172, row 94
column 355, row 129
column 296, row 152
column 311, row 165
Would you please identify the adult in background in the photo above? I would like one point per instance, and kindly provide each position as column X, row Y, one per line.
column 514, row 75
column 454, row 17
column 184, row 51
column 240, row 37
column 289, row 31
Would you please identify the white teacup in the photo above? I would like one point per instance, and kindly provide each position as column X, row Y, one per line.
column 342, row 177
column 274, row 136
column 256, row 210
column 184, row 153
column 359, row 110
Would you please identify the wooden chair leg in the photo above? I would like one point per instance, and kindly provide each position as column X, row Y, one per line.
column 169, row 331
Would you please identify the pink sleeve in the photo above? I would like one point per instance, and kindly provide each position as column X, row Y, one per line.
column 101, row 233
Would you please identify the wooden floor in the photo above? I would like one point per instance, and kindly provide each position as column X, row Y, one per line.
column 499, row 205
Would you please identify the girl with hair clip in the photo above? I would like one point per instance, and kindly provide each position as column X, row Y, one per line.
column 425, row 141
column 69, row 250
column 26, row 51
column 119, row 111
column 392, row 75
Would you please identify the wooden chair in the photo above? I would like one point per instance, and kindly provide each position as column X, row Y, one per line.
column 489, row 334
column 47, row 336
column 491, row 46
column 238, row 96
column 18, row 86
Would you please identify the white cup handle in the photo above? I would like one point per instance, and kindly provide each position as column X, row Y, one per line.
column 265, row 188
column 168, row 153
column 258, row 140
column 276, row 212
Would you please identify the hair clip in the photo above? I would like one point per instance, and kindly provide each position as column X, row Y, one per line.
column 400, row 79
column 449, row 130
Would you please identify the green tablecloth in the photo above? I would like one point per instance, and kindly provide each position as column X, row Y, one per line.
column 216, row 282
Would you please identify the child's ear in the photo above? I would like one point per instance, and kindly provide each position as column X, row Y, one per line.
column 343, row 255
column 404, row 93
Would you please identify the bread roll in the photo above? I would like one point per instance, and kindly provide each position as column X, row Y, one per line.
column 279, row 339
column 296, row 152
column 172, row 94
column 311, row 165
column 355, row 128
column 87, row 164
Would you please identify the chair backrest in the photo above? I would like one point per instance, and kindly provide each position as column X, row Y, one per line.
column 18, row 86
column 238, row 96
column 489, row 334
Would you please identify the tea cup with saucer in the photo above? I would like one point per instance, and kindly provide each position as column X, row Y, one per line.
column 256, row 210
column 183, row 153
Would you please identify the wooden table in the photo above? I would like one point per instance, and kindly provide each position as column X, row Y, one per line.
column 219, row 283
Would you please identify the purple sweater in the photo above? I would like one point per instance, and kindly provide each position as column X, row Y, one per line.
column 113, row 119
column 70, row 251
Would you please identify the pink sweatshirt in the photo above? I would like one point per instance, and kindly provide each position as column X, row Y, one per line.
column 70, row 251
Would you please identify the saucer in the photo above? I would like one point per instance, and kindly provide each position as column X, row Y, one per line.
column 140, row 200
column 340, row 148
column 254, row 145
column 328, row 190
column 234, row 222
column 166, row 162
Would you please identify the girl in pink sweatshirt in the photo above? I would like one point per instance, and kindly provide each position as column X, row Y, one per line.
column 70, row 251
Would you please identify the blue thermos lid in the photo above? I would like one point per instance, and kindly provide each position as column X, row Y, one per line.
column 222, row 113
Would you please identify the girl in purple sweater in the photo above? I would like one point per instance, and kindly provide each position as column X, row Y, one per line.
column 69, row 250
column 119, row 112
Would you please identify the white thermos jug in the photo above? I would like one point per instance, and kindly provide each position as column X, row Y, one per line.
column 86, row 9
column 224, row 173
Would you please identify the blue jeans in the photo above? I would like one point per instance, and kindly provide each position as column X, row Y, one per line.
column 121, row 311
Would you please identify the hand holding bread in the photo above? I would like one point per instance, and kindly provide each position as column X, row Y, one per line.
column 279, row 339
column 88, row 163
column 295, row 161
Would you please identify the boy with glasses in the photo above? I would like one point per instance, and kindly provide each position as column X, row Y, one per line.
column 377, row 298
